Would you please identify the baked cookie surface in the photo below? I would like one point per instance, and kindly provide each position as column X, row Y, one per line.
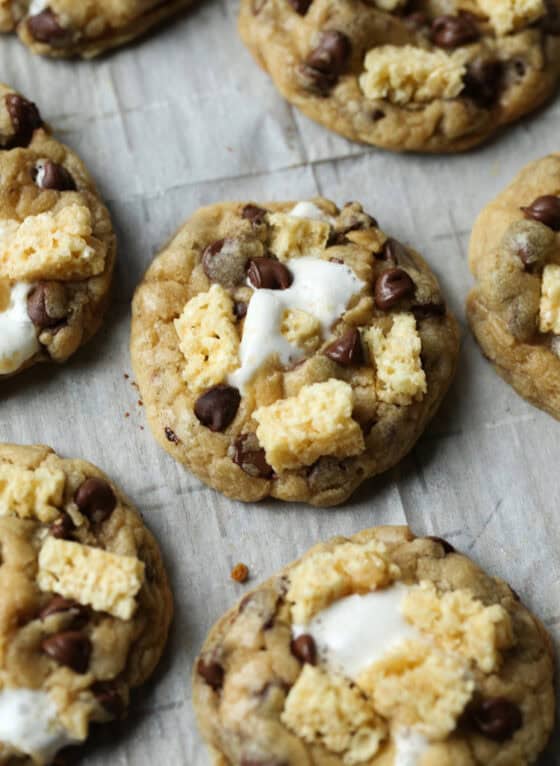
column 431, row 75
column 87, row 28
column 291, row 350
column 85, row 606
column 57, row 246
column 382, row 649
column 514, row 309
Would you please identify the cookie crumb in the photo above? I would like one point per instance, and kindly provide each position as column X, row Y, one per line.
column 240, row 573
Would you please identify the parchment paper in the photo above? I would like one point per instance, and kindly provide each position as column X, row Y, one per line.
column 186, row 118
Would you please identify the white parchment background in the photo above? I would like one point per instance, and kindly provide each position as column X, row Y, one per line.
column 183, row 119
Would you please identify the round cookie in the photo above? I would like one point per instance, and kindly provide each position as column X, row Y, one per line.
column 86, row 605
column 379, row 650
column 66, row 28
column 428, row 75
column 514, row 309
column 57, row 246
column 291, row 350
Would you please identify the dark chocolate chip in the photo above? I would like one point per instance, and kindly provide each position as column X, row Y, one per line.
column 70, row 648
column 319, row 83
column 171, row 436
column 217, row 407
column 254, row 214
column 62, row 528
column 447, row 547
column 483, row 82
column 303, row 647
column 426, row 310
column 225, row 261
column 45, row 28
column 331, row 54
column 38, row 304
column 497, row 718
column 250, row 457
column 240, row 309
column 269, row 274
column 212, row 672
column 300, row 6
column 453, row 31
column 377, row 114
column 545, row 209
column 391, row 286
column 107, row 695
column 95, row 499
column 25, row 119
column 347, row 349
column 50, row 175
column 550, row 22
column 58, row 604
column 395, row 253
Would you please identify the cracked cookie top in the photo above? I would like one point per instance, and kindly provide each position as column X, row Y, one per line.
column 428, row 75
column 85, row 608
column 378, row 649
column 277, row 347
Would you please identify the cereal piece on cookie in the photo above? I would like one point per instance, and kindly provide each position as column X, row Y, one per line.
column 509, row 15
column 31, row 494
column 292, row 236
column 549, row 320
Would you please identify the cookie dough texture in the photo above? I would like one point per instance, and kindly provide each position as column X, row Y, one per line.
column 473, row 654
column 291, row 350
column 514, row 309
column 88, row 28
column 57, row 245
column 433, row 76
column 86, row 604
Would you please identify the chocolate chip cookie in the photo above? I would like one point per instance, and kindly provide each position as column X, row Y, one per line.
column 85, row 604
column 379, row 649
column 57, row 246
column 421, row 75
column 514, row 309
column 66, row 28
column 290, row 350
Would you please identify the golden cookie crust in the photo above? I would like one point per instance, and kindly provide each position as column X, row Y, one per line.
column 285, row 35
column 123, row 652
column 246, row 664
column 503, row 307
column 390, row 429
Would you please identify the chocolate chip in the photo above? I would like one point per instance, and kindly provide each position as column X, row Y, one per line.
column 377, row 114
column 250, row 457
column 212, row 672
column 62, row 528
column 483, row 82
column 51, row 175
column 416, row 20
column 107, row 695
column 353, row 218
column 300, row 6
column 452, row 31
column 545, row 209
column 58, row 604
column 95, row 499
column 254, row 214
column 530, row 241
column 44, row 27
column 240, row 309
column 217, row 407
column 269, row 274
column 303, row 647
column 327, row 473
column 391, row 286
column 25, row 119
column 46, row 304
column 427, row 310
column 70, row 648
column 171, row 436
column 331, row 54
column 497, row 718
column 347, row 349
column 319, row 83
column 395, row 253
column 447, row 547
column 225, row 261
column 550, row 22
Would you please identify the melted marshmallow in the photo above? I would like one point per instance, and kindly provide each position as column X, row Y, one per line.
column 410, row 746
column 18, row 338
column 40, row 176
column 321, row 288
column 358, row 630
column 28, row 723
column 309, row 210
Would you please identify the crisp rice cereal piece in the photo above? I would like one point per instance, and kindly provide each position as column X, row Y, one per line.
column 549, row 320
column 460, row 623
column 405, row 74
column 51, row 246
column 400, row 377
column 301, row 329
column 31, row 494
column 91, row 576
column 327, row 576
column 293, row 237
column 325, row 709
column 318, row 421
column 510, row 15
column 416, row 685
column 208, row 338
column 389, row 5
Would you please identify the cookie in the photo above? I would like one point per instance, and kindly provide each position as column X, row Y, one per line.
column 291, row 350
column 86, row 605
column 514, row 309
column 383, row 649
column 57, row 246
column 65, row 28
column 429, row 75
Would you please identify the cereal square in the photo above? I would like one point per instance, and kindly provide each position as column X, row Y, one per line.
column 550, row 300
column 31, row 494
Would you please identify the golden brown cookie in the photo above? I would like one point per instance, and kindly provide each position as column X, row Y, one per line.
column 85, row 606
column 291, row 350
column 514, row 310
column 429, row 75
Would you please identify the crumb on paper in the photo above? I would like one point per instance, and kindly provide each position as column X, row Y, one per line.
column 240, row 573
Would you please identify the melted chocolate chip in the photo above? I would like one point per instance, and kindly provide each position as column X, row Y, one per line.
column 453, row 31
column 250, row 457
column 545, row 209
column 107, row 695
column 483, row 82
column 40, row 307
column 319, row 83
column 225, row 261
column 58, row 604
column 331, row 54
column 300, row 6
column 25, row 119
column 95, row 499
column 347, row 349
column 50, row 175
column 69, row 648
column 217, row 407
column 497, row 718
column 447, row 547
column 550, row 22
column 171, row 436
column 416, row 20
column 254, row 214
column 303, row 647
column 269, row 274
column 427, row 310
column 391, row 286
column 395, row 253
column 62, row 528
column 212, row 672
column 45, row 28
